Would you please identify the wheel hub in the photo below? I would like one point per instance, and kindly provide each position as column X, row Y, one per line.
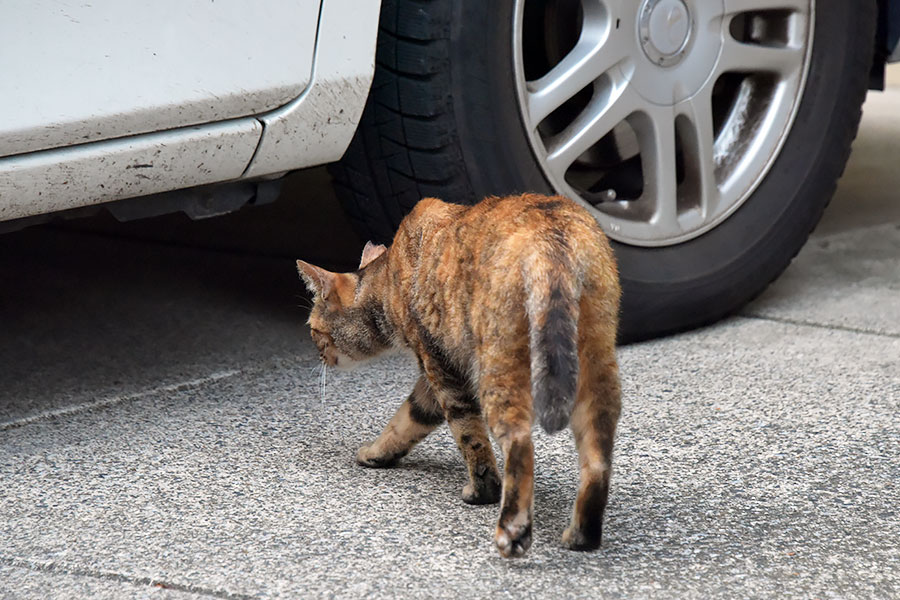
column 675, row 62
column 665, row 30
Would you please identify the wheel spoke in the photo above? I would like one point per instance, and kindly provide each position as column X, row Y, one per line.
column 698, row 147
column 683, row 162
column 604, row 112
column 733, row 7
column 655, row 131
column 757, row 58
column 587, row 61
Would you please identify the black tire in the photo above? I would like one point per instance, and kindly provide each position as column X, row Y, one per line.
column 442, row 120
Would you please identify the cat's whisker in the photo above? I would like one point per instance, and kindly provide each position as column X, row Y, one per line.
column 305, row 302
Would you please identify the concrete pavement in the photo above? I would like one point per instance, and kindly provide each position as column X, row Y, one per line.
column 164, row 434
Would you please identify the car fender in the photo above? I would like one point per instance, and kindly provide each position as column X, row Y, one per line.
column 317, row 127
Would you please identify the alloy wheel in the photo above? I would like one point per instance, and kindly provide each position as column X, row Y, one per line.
column 660, row 116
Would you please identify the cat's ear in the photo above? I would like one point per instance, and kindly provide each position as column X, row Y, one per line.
column 370, row 253
column 318, row 281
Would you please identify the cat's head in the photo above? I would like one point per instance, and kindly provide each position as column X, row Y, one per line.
column 347, row 318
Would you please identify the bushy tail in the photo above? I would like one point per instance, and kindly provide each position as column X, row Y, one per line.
column 553, row 320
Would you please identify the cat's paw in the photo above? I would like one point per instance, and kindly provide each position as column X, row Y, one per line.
column 367, row 457
column 513, row 540
column 486, row 489
column 576, row 539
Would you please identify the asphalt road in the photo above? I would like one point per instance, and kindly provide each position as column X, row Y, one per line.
column 164, row 432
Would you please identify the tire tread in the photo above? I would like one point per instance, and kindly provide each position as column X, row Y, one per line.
column 406, row 146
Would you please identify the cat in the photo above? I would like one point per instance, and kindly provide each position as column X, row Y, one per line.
column 510, row 307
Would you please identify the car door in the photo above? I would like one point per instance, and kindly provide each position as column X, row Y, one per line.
column 79, row 72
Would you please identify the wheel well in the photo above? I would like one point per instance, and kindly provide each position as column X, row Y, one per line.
column 887, row 41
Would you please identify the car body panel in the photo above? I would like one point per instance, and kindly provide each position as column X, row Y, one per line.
column 77, row 72
column 67, row 178
column 314, row 128
column 317, row 127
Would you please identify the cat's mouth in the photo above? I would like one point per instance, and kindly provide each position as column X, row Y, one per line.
column 327, row 352
column 330, row 359
column 328, row 355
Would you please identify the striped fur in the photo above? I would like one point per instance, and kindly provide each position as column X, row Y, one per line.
column 511, row 308
column 553, row 323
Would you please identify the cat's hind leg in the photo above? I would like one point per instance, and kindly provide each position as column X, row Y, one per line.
column 596, row 412
column 418, row 416
column 505, row 390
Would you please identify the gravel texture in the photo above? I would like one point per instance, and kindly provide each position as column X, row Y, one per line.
column 164, row 433
column 754, row 459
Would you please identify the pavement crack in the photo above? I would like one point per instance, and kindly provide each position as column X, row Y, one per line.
column 115, row 400
column 67, row 569
column 802, row 323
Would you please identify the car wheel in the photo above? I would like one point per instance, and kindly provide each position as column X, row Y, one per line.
column 705, row 136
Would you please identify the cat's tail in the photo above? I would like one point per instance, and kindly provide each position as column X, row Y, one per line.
column 552, row 307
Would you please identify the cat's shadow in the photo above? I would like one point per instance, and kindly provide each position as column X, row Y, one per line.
column 553, row 494
column 439, row 471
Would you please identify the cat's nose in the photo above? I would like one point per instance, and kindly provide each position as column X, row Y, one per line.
column 328, row 355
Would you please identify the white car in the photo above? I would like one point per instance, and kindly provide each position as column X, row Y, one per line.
column 706, row 136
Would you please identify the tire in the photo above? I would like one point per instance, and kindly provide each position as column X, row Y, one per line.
column 443, row 120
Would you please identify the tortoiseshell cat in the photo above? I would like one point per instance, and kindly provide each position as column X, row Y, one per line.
column 511, row 308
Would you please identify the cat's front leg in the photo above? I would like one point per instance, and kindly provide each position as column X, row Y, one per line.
column 463, row 413
column 418, row 416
